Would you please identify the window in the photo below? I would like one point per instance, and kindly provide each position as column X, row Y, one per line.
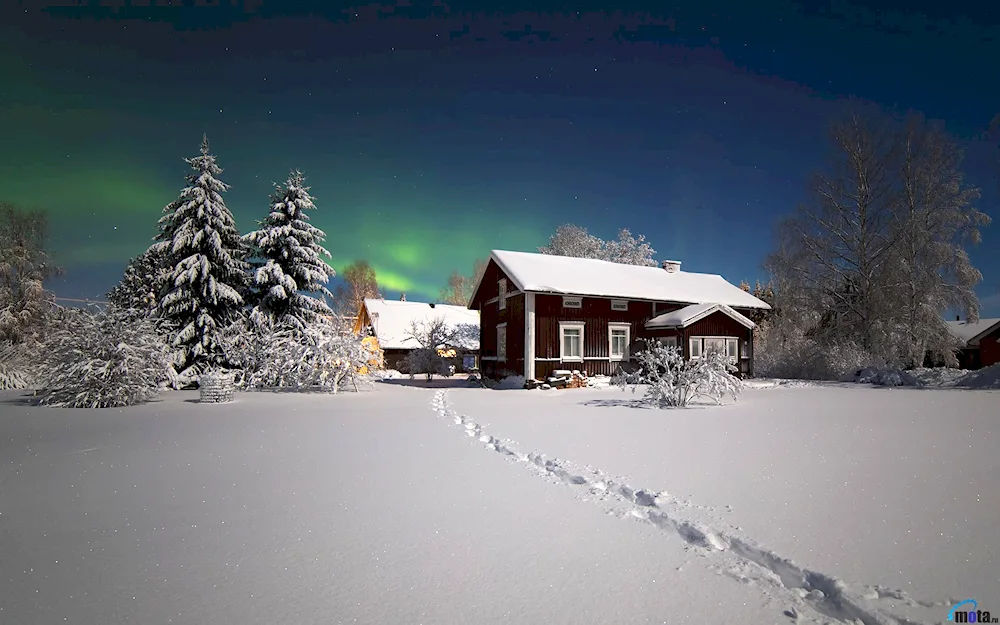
column 571, row 341
column 670, row 342
column 502, row 341
column 695, row 348
column 572, row 302
column 618, row 340
column 733, row 349
column 619, row 304
column 502, row 294
column 744, row 349
column 715, row 346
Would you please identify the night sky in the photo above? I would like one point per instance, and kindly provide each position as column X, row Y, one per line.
column 431, row 135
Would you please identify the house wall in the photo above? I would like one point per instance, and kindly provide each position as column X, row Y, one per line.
column 491, row 316
column 596, row 313
column 989, row 349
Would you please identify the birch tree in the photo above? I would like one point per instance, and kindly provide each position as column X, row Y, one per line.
column 575, row 241
column 460, row 287
column 934, row 218
column 835, row 246
column 360, row 283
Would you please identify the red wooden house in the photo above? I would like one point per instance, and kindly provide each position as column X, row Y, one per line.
column 979, row 342
column 539, row 313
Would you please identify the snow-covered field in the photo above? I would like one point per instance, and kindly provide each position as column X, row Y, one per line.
column 468, row 505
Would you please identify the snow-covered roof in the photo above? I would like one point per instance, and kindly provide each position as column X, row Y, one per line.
column 600, row 278
column 684, row 317
column 970, row 333
column 391, row 320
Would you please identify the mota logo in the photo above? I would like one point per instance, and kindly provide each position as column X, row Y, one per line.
column 967, row 612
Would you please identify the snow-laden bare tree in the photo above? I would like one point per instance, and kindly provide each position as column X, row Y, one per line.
column 104, row 360
column 630, row 250
column 360, row 283
column 205, row 261
column 288, row 265
column 575, row 241
column 460, row 287
column 671, row 381
column 321, row 356
column 933, row 220
column 431, row 335
column 865, row 271
column 136, row 292
column 25, row 266
column 839, row 242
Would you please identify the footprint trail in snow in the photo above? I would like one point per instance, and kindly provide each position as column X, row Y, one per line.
column 702, row 529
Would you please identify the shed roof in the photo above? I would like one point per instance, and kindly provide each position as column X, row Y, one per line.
column 684, row 317
column 970, row 332
column 392, row 319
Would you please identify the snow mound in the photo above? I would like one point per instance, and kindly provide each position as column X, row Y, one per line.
column 879, row 376
column 938, row 376
column 387, row 374
column 986, row 378
column 599, row 381
column 511, row 382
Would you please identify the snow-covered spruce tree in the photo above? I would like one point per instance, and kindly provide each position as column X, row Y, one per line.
column 104, row 360
column 136, row 292
column 25, row 265
column 205, row 261
column 288, row 263
column 673, row 381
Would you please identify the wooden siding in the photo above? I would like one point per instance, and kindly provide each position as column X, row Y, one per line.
column 489, row 287
column 989, row 349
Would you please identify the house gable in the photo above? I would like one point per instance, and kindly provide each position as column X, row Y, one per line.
column 488, row 286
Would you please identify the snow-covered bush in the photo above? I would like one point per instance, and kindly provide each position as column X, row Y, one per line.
column 796, row 356
column 319, row 356
column 881, row 376
column 102, row 360
column 672, row 381
column 15, row 368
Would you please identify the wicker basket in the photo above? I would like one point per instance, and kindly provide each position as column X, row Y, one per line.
column 216, row 388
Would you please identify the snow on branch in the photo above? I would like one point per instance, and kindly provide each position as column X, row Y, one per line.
column 671, row 381
column 105, row 360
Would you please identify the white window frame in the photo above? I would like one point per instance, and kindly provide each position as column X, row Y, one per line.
column 571, row 325
column 706, row 339
column 692, row 342
column 728, row 342
column 732, row 349
column 502, row 344
column 572, row 302
column 619, row 304
column 502, row 293
column 612, row 326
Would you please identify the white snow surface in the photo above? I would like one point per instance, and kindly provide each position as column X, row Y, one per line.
column 684, row 317
column 967, row 331
column 394, row 319
column 585, row 276
column 421, row 504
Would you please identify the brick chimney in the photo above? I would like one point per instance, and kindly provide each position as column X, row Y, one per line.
column 672, row 266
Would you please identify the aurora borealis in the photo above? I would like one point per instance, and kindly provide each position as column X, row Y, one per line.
column 430, row 136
